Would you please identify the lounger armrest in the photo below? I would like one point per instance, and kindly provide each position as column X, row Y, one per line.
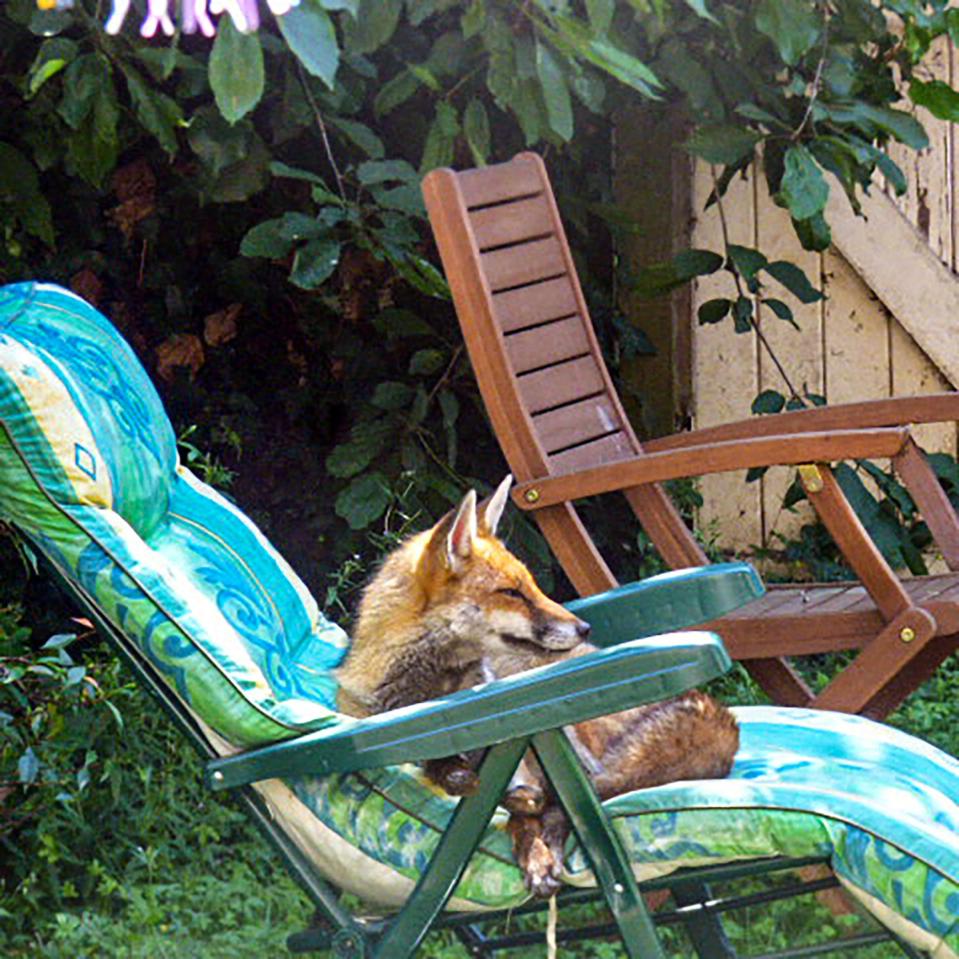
column 781, row 450
column 680, row 599
column 896, row 411
column 571, row 691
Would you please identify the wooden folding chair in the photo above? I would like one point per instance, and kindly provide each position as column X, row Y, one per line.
column 563, row 431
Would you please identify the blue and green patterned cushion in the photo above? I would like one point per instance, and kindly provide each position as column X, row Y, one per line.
column 881, row 806
column 89, row 472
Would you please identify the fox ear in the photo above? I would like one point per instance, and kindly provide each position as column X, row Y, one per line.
column 459, row 540
column 492, row 510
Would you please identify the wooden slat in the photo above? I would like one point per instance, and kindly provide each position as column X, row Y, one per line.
column 547, row 345
column 714, row 458
column 563, row 383
column 607, row 449
column 525, row 263
column 511, row 222
column 565, row 427
column 494, row 184
column 851, row 416
column 530, row 305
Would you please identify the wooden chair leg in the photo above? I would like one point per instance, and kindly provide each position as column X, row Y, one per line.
column 779, row 681
column 880, row 664
column 920, row 668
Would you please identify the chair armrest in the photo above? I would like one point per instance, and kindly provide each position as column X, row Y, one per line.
column 897, row 411
column 719, row 457
column 597, row 684
column 675, row 600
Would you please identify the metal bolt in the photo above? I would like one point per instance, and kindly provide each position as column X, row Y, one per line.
column 531, row 495
column 907, row 634
column 218, row 777
column 618, row 887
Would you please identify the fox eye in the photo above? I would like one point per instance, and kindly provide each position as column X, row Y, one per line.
column 512, row 593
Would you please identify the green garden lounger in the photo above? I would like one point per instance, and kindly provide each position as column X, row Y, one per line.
column 218, row 626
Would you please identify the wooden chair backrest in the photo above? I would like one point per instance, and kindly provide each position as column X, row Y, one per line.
column 549, row 396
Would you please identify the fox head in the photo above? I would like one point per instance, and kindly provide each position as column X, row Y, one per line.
column 482, row 590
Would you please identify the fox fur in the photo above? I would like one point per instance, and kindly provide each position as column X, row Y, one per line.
column 451, row 607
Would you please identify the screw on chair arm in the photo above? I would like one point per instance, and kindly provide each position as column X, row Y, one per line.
column 599, row 683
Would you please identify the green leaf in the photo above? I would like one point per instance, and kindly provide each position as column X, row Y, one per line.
column 690, row 263
column 236, row 70
column 747, row 261
column 392, row 395
column 722, row 143
column 385, row 171
column 441, row 138
column 477, row 131
column 426, row 362
column 559, row 107
column 364, row 501
column 867, row 118
column 310, row 34
column 315, row 262
column 367, row 441
column 86, row 80
column 53, row 56
column 795, row 280
column 600, row 13
column 755, row 473
column 266, row 239
column 373, row 25
column 473, row 21
column 769, row 401
column 743, row 314
column 395, row 92
column 20, row 189
column 712, row 311
column 804, row 190
column 891, row 171
column 814, row 233
column 155, row 110
column 937, row 97
column 781, row 310
column 576, row 40
column 699, row 8
column 361, row 135
column 792, row 25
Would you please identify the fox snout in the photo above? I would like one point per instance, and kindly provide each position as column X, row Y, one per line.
column 562, row 634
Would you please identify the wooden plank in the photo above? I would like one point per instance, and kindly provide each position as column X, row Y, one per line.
column 535, row 304
column 923, row 296
column 914, row 374
column 607, row 449
column 563, row 383
column 855, row 336
column 525, row 263
column 546, row 345
column 725, row 370
column 576, row 423
column 494, row 184
column 715, row 458
column 800, row 352
column 898, row 411
column 511, row 222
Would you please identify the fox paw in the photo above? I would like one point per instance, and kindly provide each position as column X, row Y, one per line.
column 543, row 871
column 460, row 781
column 525, row 800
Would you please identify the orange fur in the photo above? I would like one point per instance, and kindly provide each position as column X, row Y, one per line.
column 451, row 607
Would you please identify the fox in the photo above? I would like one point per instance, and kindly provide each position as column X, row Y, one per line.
column 452, row 607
